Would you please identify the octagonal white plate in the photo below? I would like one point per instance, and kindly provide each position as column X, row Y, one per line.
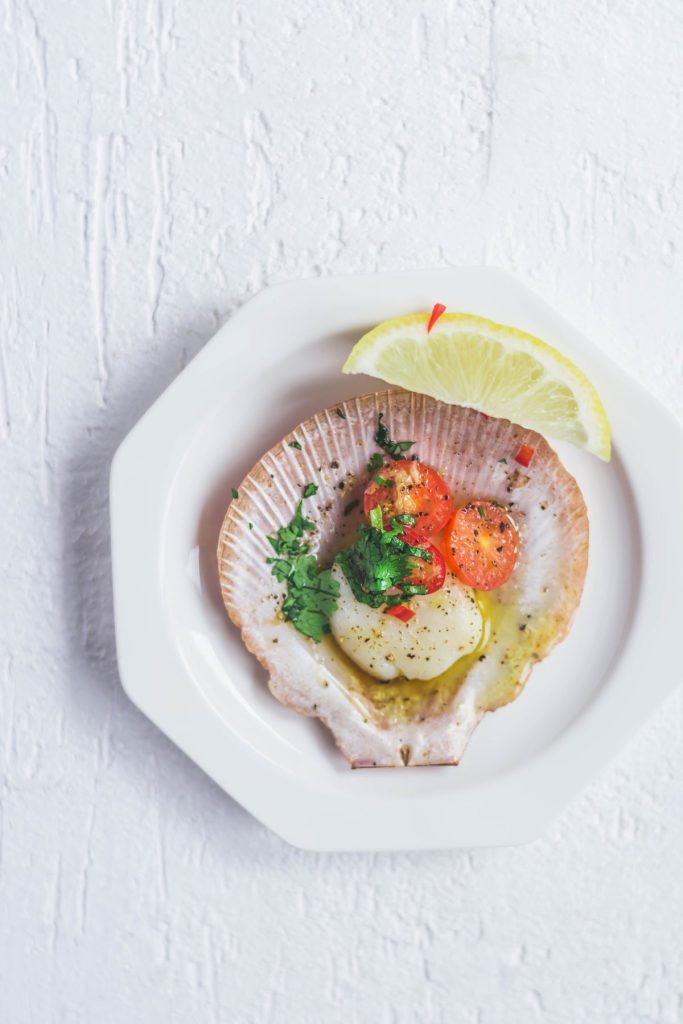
column 181, row 661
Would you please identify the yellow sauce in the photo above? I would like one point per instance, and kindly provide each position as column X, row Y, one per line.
column 523, row 643
column 401, row 700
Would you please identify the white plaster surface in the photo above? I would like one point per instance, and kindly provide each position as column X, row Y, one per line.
column 159, row 163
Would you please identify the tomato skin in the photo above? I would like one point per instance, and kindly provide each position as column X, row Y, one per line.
column 401, row 612
column 525, row 455
column 439, row 310
column 416, row 490
column 430, row 574
column 481, row 549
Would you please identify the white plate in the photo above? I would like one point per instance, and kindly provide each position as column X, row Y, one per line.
column 181, row 661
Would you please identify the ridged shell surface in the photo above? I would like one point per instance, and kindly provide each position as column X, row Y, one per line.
column 404, row 723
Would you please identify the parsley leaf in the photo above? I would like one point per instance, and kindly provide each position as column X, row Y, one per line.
column 312, row 592
column 376, row 462
column 235, row 493
column 381, row 561
column 311, row 598
column 310, row 490
column 295, row 444
column 341, row 414
column 288, row 539
column 383, row 439
column 382, row 481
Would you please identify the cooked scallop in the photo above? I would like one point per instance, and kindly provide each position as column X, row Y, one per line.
column 476, row 651
column 446, row 626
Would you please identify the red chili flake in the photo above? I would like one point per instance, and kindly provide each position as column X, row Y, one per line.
column 438, row 311
column 524, row 455
column 400, row 611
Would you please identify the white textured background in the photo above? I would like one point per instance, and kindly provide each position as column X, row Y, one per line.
column 160, row 162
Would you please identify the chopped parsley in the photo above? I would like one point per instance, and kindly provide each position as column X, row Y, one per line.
column 482, row 511
column 503, row 460
column 250, row 525
column 312, row 593
column 288, row 539
column 393, row 448
column 379, row 566
column 235, row 493
column 381, row 561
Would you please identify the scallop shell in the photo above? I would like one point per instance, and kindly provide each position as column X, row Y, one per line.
column 393, row 724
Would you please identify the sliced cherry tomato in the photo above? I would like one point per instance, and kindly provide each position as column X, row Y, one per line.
column 411, row 488
column 429, row 573
column 524, row 455
column 402, row 612
column 482, row 544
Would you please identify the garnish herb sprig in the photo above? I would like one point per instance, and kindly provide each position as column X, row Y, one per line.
column 312, row 592
column 381, row 561
column 395, row 449
column 378, row 562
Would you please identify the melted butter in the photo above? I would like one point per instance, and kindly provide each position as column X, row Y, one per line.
column 523, row 643
column 400, row 700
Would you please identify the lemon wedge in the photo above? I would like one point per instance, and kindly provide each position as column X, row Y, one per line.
column 467, row 360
